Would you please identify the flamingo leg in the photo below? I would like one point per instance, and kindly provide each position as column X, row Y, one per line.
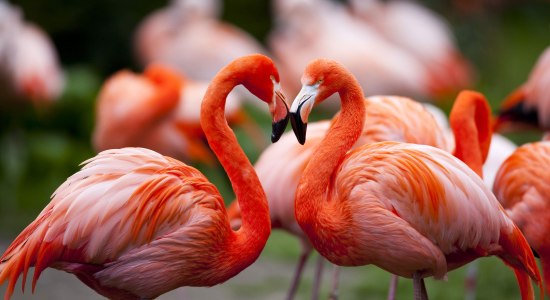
column 471, row 280
column 419, row 287
column 335, row 282
column 393, row 287
column 318, row 278
column 298, row 273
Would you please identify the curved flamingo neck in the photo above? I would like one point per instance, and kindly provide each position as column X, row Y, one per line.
column 256, row 227
column 312, row 191
column 470, row 120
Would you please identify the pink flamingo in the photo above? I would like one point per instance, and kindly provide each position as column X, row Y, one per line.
column 189, row 36
column 29, row 66
column 387, row 118
column 427, row 37
column 158, row 110
column 521, row 185
column 529, row 105
column 305, row 29
column 362, row 207
column 135, row 224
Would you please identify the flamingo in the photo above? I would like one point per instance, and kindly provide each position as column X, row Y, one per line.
column 387, row 118
column 395, row 205
column 529, row 105
column 135, row 224
column 29, row 65
column 521, row 185
column 158, row 110
column 427, row 37
column 188, row 36
column 305, row 29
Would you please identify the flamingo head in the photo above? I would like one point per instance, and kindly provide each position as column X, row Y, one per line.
column 261, row 78
column 515, row 112
column 321, row 79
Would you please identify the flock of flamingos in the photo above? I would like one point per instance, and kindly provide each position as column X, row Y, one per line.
column 388, row 181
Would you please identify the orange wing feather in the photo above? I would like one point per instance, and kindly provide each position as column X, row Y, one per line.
column 107, row 210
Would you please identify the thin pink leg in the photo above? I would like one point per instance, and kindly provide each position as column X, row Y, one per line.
column 393, row 287
column 419, row 287
column 335, row 283
column 471, row 280
column 298, row 273
column 318, row 278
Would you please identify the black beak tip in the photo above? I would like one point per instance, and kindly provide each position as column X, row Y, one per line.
column 298, row 127
column 278, row 128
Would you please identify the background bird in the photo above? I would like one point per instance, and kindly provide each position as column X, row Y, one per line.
column 304, row 30
column 529, row 105
column 158, row 110
column 29, row 65
column 425, row 35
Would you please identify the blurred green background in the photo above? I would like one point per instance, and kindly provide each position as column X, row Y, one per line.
column 40, row 148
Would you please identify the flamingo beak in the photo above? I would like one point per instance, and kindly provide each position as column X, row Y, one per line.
column 518, row 115
column 300, row 110
column 279, row 110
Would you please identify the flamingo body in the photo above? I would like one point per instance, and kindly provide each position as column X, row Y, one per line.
column 127, row 209
column 29, row 65
column 158, row 110
column 134, row 224
column 521, row 185
column 413, row 193
column 413, row 210
column 188, row 36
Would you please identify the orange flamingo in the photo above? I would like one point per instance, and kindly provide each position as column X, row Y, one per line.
column 387, row 118
column 395, row 205
column 29, row 66
column 521, row 185
column 133, row 209
column 529, row 105
column 158, row 110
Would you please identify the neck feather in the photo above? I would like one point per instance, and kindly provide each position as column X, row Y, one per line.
column 312, row 190
column 256, row 227
column 470, row 120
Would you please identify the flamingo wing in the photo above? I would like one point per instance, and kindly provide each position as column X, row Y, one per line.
column 122, row 201
column 522, row 172
column 435, row 193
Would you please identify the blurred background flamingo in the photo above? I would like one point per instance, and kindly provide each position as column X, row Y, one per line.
column 529, row 104
column 423, row 34
column 159, row 110
column 304, row 30
column 29, row 65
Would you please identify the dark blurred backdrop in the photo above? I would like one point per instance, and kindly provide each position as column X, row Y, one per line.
column 41, row 148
